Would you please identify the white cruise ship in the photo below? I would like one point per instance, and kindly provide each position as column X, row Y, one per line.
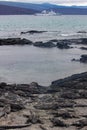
column 47, row 13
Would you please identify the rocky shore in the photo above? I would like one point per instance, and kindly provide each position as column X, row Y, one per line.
column 60, row 106
column 61, row 44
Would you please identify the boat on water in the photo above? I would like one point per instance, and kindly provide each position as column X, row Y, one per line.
column 47, row 13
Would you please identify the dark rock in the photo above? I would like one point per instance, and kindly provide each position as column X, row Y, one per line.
column 16, row 107
column 26, row 42
column 70, row 95
column 65, row 114
column 47, row 106
column 33, row 31
column 15, row 41
column 73, row 81
column 83, row 58
column 84, row 41
column 83, row 48
column 55, row 104
column 32, row 88
column 83, row 94
column 81, row 32
column 57, row 122
column 73, row 59
column 77, row 60
column 80, row 123
column 54, row 40
column 3, row 85
column 63, row 44
column 44, row 45
column 6, row 127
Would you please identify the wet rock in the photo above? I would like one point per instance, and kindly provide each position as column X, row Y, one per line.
column 63, row 44
column 33, row 32
column 74, row 82
column 84, row 41
column 26, row 42
column 83, row 58
column 54, row 40
column 15, row 41
column 83, row 48
column 44, row 45
column 77, row 60
column 81, row 32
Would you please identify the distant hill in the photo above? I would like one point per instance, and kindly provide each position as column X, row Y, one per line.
column 71, row 11
column 38, row 7
column 31, row 8
column 10, row 10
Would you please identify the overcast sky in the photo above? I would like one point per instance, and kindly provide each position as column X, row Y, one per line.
column 64, row 2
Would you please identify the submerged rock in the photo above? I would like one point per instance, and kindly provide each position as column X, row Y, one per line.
column 44, row 45
column 33, row 32
column 81, row 32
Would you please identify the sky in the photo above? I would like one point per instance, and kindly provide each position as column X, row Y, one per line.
column 63, row 2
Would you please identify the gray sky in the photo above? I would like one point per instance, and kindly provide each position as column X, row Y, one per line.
column 64, row 2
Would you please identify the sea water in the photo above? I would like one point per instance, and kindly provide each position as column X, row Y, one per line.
column 25, row 64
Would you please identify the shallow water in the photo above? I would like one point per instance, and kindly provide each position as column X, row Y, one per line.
column 24, row 64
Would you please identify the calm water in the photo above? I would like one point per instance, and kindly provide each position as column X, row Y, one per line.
column 24, row 64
